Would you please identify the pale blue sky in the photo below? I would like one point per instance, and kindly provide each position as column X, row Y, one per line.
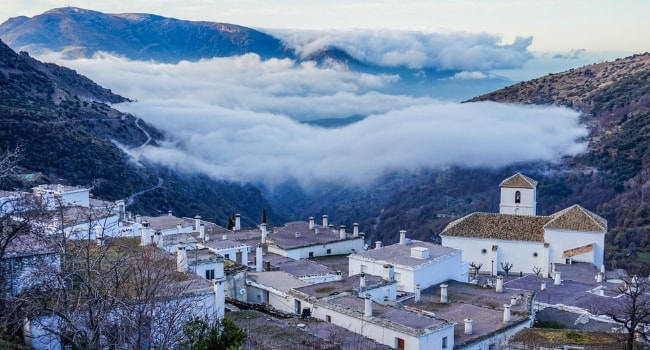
column 556, row 25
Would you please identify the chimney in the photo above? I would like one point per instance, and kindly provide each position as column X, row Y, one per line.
column 402, row 237
column 499, row 288
column 443, row 293
column 543, row 286
column 506, row 313
column 169, row 213
column 513, row 300
column 602, row 268
column 339, row 275
column 468, row 326
column 264, row 233
column 599, row 277
column 224, row 237
column 144, row 233
column 297, row 234
column 60, row 189
column 158, row 239
column 311, row 222
column 138, row 218
column 390, row 272
column 197, row 222
column 342, row 234
column 316, row 230
column 219, row 296
column 237, row 223
column 121, row 208
column 98, row 232
column 367, row 310
column 355, row 230
column 259, row 256
column 181, row 258
column 420, row 253
column 202, row 231
column 362, row 280
column 558, row 278
column 325, row 221
column 377, row 244
column 179, row 227
column 418, row 295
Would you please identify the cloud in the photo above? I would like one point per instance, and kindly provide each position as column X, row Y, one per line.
column 571, row 55
column 469, row 75
column 235, row 119
column 449, row 51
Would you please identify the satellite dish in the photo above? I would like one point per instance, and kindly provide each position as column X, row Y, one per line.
column 242, row 291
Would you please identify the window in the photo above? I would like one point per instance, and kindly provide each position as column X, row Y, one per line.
column 311, row 254
column 328, row 318
column 492, row 346
column 444, row 342
column 329, row 251
column 227, row 256
column 400, row 343
column 209, row 274
column 517, row 197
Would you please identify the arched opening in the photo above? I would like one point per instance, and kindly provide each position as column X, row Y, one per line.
column 517, row 197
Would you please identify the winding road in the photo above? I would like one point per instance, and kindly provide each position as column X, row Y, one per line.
column 129, row 200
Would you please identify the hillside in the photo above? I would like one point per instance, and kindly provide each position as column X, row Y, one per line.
column 81, row 33
column 69, row 134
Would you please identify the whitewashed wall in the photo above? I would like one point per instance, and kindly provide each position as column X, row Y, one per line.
column 527, row 205
column 337, row 248
column 561, row 240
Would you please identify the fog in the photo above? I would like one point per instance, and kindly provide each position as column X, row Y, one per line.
column 239, row 119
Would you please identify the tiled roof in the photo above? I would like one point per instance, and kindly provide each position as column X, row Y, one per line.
column 577, row 218
column 518, row 180
column 577, row 251
column 498, row 226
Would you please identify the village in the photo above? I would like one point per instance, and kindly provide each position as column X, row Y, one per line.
column 493, row 276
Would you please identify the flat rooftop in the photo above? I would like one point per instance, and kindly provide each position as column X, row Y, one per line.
column 223, row 243
column 278, row 280
column 400, row 254
column 297, row 234
column 348, row 284
column 304, row 268
column 483, row 305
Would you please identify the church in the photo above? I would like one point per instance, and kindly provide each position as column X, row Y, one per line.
column 518, row 237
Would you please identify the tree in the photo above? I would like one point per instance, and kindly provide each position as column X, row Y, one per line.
column 231, row 222
column 506, row 266
column 631, row 310
column 9, row 161
column 476, row 267
column 203, row 334
column 264, row 215
column 537, row 270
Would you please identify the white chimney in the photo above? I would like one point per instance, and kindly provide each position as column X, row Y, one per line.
column 197, row 222
column 224, row 237
column 468, row 326
column 443, row 293
column 367, row 310
column 362, row 280
column 355, row 230
column 543, row 286
column 390, row 272
column 499, row 288
column 602, row 268
column 342, row 234
column 311, row 222
column 179, row 227
column 297, row 234
column 506, row 313
column 158, row 239
column 513, row 300
column 377, row 244
column 181, row 258
column 144, row 233
column 339, row 275
column 202, row 231
column 169, row 213
column 325, row 221
column 98, row 232
column 138, row 218
column 402, row 237
column 259, row 256
column 237, row 223
column 264, row 233
column 558, row 278
column 418, row 295
column 219, row 296
column 420, row 253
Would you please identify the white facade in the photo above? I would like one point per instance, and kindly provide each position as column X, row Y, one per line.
column 518, row 201
column 341, row 247
column 564, row 240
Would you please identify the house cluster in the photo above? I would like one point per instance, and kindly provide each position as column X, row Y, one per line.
column 409, row 295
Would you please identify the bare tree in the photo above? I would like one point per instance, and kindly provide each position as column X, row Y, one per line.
column 537, row 270
column 476, row 267
column 9, row 161
column 631, row 310
column 506, row 266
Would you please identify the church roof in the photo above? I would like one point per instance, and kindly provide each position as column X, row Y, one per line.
column 498, row 226
column 577, row 218
column 519, row 181
column 569, row 253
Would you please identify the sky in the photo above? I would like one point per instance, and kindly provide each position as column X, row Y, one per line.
column 238, row 118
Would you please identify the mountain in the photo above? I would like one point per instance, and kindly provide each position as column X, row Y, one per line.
column 69, row 134
column 81, row 33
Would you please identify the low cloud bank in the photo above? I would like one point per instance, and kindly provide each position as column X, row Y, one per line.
column 235, row 119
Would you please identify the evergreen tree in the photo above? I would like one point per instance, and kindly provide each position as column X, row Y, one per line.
column 200, row 334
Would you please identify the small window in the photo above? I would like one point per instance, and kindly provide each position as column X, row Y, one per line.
column 444, row 342
column 328, row 318
column 535, row 254
column 400, row 343
column 483, row 251
column 209, row 274
column 227, row 256
column 329, row 251
column 517, row 197
column 311, row 254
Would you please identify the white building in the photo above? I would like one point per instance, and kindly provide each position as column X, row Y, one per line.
column 56, row 195
column 410, row 262
column 517, row 237
column 302, row 240
column 272, row 288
